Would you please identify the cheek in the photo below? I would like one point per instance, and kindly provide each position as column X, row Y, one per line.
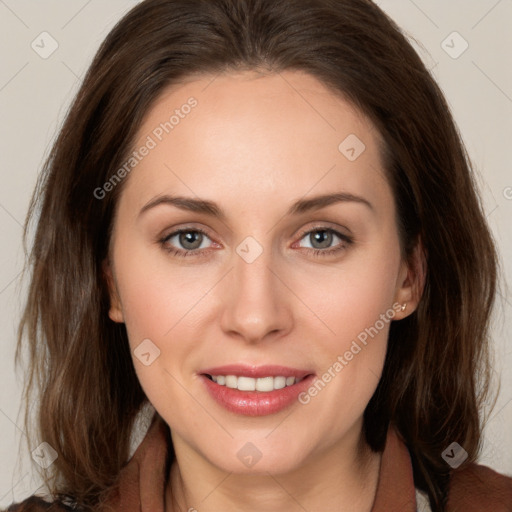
column 351, row 296
column 162, row 305
column 167, row 305
column 355, row 304
column 156, row 295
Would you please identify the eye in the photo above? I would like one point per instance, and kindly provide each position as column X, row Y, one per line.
column 322, row 238
column 185, row 242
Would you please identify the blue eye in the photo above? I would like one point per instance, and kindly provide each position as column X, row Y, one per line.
column 190, row 239
column 324, row 237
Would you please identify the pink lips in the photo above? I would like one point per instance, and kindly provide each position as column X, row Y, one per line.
column 256, row 403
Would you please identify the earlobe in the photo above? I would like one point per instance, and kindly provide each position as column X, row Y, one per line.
column 411, row 282
column 115, row 311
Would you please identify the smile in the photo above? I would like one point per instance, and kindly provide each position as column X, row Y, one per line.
column 255, row 391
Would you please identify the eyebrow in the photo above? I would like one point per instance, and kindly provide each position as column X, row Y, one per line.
column 210, row 208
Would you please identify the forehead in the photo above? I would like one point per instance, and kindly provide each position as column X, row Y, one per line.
column 251, row 135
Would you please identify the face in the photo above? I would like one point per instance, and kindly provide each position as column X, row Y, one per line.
column 258, row 232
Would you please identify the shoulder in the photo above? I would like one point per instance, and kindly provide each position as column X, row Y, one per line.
column 476, row 487
column 36, row 504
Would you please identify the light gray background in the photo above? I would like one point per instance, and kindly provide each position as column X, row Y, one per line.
column 35, row 93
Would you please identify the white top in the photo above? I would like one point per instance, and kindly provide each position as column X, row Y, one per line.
column 422, row 503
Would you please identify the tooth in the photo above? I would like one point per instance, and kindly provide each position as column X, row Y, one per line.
column 265, row 384
column 279, row 382
column 246, row 384
column 231, row 381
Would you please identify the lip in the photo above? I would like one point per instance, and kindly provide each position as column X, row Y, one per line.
column 256, row 403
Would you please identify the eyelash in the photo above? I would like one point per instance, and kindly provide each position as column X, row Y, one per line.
column 201, row 252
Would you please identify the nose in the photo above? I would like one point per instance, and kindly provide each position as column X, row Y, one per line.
column 257, row 304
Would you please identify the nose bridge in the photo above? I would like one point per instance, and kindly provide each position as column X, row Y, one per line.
column 256, row 304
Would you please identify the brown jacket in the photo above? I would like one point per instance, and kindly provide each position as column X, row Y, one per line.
column 475, row 488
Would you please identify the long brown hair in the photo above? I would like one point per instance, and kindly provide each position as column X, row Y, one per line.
column 436, row 372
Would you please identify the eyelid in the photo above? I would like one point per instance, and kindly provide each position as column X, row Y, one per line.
column 168, row 233
column 326, row 227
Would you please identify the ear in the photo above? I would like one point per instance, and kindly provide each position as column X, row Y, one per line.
column 115, row 311
column 411, row 282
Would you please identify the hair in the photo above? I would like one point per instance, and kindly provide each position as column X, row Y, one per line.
column 437, row 370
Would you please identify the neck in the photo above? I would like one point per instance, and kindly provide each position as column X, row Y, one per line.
column 348, row 479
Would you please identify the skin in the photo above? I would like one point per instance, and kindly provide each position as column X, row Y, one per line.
column 255, row 144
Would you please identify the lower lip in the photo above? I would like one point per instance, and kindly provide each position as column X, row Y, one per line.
column 256, row 403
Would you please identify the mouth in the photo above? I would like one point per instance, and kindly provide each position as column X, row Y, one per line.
column 255, row 391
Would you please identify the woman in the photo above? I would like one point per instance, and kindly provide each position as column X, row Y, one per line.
column 181, row 260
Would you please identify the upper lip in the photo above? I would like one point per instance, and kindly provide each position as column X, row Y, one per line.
column 244, row 370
